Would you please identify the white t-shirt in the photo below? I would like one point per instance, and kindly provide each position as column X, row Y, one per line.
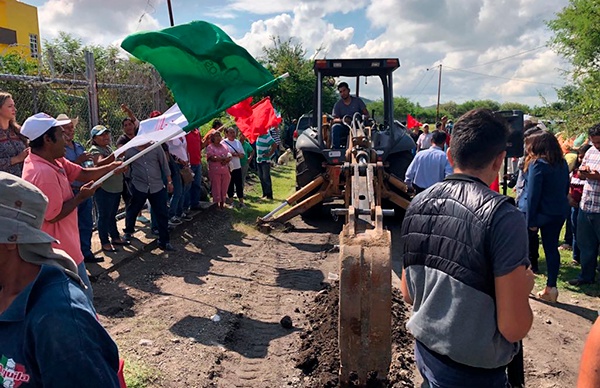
column 424, row 141
column 178, row 147
column 234, row 146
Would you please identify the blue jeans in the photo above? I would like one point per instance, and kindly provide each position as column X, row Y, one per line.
column 449, row 374
column 550, row 234
column 177, row 195
column 192, row 198
column 108, row 205
column 576, row 251
column 85, row 224
column 339, row 135
column 588, row 239
column 158, row 202
column 82, row 272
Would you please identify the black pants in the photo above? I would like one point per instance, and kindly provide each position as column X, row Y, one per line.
column 158, row 201
column 534, row 247
column 236, row 180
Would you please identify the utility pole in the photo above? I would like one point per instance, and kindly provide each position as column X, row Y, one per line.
column 437, row 111
column 170, row 12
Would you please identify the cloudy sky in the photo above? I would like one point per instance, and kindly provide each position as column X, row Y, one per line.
column 470, row 38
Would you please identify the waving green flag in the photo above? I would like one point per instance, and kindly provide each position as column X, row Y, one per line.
column 204, row 69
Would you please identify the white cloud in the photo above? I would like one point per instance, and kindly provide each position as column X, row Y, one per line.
column 97, row 22
column 306, row 25
column 423, row 33
column 267, row 7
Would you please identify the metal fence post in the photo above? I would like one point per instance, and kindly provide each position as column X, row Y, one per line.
column 90, row 74
column 34, row 97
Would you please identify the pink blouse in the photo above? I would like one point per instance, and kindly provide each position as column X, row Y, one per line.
column 219, row 151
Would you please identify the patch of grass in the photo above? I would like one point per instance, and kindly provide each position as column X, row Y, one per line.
column 567, row 272
column 284, row 184
column 138, row 375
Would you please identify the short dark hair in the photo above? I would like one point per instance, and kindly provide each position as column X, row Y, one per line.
column 594, row 131
column 544, row 145
column 532, row 131
column 38, row 143
column 439, row 137
column 127, row 119
column 343, row 85
column 583, row 149
column 529, row 124
column 478, row 138
column 438, row 124
column 216, row 124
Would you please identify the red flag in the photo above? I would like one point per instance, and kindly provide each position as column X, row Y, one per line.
column 263, row 118
column 242, row 109
column 411, row 123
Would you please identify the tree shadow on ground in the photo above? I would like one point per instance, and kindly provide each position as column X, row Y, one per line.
column 583, row 312
column 208, row 237
column 236, row 332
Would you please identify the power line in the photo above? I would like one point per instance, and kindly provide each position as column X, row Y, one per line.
column 505, row 78
column 428, row 81
column 502, row 59
column 146, row 13
column 418, row 83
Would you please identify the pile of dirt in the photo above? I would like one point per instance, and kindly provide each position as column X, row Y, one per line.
column 319, row 354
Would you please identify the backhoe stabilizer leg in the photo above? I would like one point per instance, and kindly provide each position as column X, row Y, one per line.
column 298, row 195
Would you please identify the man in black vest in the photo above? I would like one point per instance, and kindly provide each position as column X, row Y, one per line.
column 466, row 267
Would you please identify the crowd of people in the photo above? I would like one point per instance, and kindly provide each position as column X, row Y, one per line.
column 465, row 247
column 168, row 179
column 457, row 217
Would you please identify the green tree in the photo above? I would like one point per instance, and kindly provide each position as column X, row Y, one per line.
column 515, row 106
column 295, row 96
column 577, row 38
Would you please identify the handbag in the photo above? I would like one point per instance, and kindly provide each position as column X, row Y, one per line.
column 187, row 175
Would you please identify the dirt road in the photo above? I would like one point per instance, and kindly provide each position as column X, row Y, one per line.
column 209, row 314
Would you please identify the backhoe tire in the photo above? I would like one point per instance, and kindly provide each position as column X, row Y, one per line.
column 309, row 165
column 398, row 164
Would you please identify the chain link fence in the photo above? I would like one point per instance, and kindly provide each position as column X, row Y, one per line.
column 93, row 96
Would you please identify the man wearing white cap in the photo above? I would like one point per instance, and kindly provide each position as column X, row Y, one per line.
column 47, row 169
column 75, row 152
column 49, row 335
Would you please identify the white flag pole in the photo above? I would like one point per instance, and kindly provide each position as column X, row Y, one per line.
column 137, row 156
column 159, row 143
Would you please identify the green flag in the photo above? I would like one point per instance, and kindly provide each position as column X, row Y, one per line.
column 204, row 69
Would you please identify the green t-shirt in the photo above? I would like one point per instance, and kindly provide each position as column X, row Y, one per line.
column 114, row 184
column 247, row 151
column 263, row 146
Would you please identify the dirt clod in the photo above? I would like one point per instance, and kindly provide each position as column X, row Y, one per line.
column 286, row 322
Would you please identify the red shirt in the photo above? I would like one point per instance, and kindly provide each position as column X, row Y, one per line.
column 55, row 182
column 194, row 146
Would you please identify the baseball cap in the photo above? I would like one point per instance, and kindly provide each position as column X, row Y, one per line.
column 22, row 211
column 98, row 130
column 38, row 124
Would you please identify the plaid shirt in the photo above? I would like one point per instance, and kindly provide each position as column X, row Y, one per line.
column 590, row 200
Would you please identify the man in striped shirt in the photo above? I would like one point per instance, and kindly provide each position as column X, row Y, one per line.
column 588, row 220
column 265, row 148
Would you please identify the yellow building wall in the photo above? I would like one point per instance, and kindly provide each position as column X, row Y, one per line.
column 23, row 19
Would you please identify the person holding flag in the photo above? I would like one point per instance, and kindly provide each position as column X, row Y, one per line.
column 47, row 169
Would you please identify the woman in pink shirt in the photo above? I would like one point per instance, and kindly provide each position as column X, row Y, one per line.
column 218, row 169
